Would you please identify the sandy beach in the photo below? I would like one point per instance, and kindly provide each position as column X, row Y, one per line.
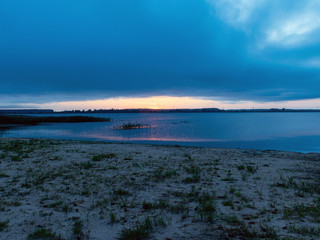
column 57, row 189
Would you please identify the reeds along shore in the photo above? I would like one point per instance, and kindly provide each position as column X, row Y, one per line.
column 54, row 189
column 33, row 120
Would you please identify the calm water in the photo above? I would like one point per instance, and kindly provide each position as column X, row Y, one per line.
column 279, row 131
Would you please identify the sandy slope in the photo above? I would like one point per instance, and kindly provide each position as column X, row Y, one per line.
column 83, row 190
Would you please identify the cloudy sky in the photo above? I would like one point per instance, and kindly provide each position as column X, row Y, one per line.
column 159, row 53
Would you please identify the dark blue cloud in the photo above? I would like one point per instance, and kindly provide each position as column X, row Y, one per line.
column 72, row 50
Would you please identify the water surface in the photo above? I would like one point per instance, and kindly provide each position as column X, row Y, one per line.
column 278, row 131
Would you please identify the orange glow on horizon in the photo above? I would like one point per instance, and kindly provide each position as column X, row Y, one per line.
column 156, row 102
column 170, row 102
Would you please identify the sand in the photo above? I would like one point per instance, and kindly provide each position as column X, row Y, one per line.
column 57, row 189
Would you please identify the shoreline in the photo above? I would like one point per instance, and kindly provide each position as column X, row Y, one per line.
column 101, row 190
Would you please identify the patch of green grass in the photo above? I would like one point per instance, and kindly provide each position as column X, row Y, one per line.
column 248, row 232
column 188, row 156
column 192, row 179
column 101, row 203
column 3, row 225
column 251, row 169
column 3, row 175
column 240, row 167
column 161, row 174
column 228, row 203
column 55, row 204
column 178, row 208
column 113, row 217
column 12, row 203
column 139, row 232
column 301, row 210
column 229, row 179
column 43, row 234
column 305, row 230
column 16, row 159
column 248, row 168
column 160, row 204
column 233, row 220
column 193, row 169
column 78, row 228
column 86, row 165
column 66, row 208
column 306, row 187
column 207, row 207
column 121, row 192
column 100, row 157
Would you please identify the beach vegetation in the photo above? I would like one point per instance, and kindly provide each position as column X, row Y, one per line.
column 178, row 208
column 207, row 207
column 188, row 156
column 78, row 228
column 16, row 159
column 43, row 234
column 307, row 187
column 161, row 174
column 66, row 208
column 140, row 231
column 232, row 220
column 251, row 169
column 121, row 192
column 100, row 157
column 3, row 225
column 55, row 204
column 195, row 172
column 102, row 203
column 3, row 175
column 227, row 203
column 111, row 190
column 86, row 165
column 192, row 179
column 113, row 217
column 229, row 179
column 241, row 167
column 302, row 210
column 160, row 204
column 305, row 230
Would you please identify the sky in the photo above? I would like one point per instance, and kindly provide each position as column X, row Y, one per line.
column 97, row 54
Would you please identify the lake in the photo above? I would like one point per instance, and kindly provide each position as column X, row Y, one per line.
column 266, row 131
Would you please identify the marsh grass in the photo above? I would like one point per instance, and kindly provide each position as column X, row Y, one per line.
column 130, row 126
column 31, row 120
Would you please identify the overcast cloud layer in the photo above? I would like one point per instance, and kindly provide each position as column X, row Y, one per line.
column 258, row 50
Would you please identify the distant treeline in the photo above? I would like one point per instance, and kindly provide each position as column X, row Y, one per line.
column 199, row 110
